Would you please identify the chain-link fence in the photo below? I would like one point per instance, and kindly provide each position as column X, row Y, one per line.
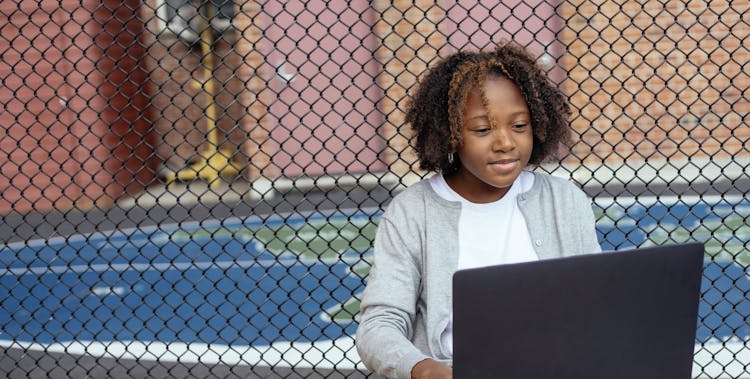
column 191, row 189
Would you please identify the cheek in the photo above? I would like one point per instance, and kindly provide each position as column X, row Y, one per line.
column 530, row 141
column 529, row 144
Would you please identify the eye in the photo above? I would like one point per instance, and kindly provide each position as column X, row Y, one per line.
column 520, row 126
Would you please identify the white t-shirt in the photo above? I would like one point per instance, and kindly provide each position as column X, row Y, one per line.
column 489, row 234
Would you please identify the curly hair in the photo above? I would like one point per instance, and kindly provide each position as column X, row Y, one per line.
column 435, row 111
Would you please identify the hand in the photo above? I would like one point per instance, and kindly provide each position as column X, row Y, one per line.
column 431, row 369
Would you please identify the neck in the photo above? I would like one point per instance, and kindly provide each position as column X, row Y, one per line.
column 473, row 189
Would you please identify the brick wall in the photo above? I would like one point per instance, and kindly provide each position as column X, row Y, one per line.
column 657, row 80
column 255, row 97
column 411, row 41
column 646, row 80
column 74, row 104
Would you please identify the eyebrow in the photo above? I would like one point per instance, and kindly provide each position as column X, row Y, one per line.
column 521, row 113
column 516, row 114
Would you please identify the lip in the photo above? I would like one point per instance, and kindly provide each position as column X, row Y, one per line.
column 504, row 166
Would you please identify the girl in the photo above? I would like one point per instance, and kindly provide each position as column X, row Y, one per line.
column 479, row 120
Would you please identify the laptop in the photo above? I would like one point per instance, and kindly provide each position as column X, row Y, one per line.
column 626, row 314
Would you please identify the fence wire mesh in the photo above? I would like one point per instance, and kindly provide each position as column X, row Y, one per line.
column 191, row 188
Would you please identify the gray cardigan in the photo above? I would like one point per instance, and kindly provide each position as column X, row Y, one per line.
column 407, row 302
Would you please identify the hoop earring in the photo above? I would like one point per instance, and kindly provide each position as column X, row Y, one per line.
column 450, row 158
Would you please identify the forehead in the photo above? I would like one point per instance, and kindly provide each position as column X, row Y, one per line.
column 501, row 94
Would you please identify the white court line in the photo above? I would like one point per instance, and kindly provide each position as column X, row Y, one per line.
column 181, row 266
column 369, row 211
column 650, row 200
column 210, row 223
column 336, row 354
column 714, row 359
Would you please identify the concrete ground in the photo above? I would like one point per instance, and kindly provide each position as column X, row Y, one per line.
column 186, row 202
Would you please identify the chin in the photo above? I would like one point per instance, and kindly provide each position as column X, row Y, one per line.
column 499, row 184
column 503, row 182
column 502, row 186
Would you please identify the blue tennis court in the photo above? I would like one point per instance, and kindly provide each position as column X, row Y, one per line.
column 294, row 278
column 195, row 283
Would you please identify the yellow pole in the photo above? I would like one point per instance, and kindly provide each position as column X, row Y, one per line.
column 213, row 162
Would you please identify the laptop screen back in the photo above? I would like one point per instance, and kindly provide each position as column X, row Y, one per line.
column 629, row 314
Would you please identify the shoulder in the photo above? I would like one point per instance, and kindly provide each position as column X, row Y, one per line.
column 410, row 201
column 421, row 204
column 416, row 191
column 555, row 183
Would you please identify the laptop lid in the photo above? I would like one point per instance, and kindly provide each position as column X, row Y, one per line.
column 628, row 314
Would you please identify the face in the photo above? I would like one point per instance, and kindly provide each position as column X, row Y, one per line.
column 496, row 145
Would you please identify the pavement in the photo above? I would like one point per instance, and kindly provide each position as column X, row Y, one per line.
column 658, row 177
column 186, row 202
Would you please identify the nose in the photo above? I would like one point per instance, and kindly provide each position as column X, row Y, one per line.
column 503, row 140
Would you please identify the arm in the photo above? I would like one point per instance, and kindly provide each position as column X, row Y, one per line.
column 560, row 215
column 587, row 224
column 389, row 303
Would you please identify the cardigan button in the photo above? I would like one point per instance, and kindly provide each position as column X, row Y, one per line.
column 538, row 242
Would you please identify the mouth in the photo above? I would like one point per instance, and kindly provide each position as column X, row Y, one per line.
column 504, row 166
column 504, row 161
